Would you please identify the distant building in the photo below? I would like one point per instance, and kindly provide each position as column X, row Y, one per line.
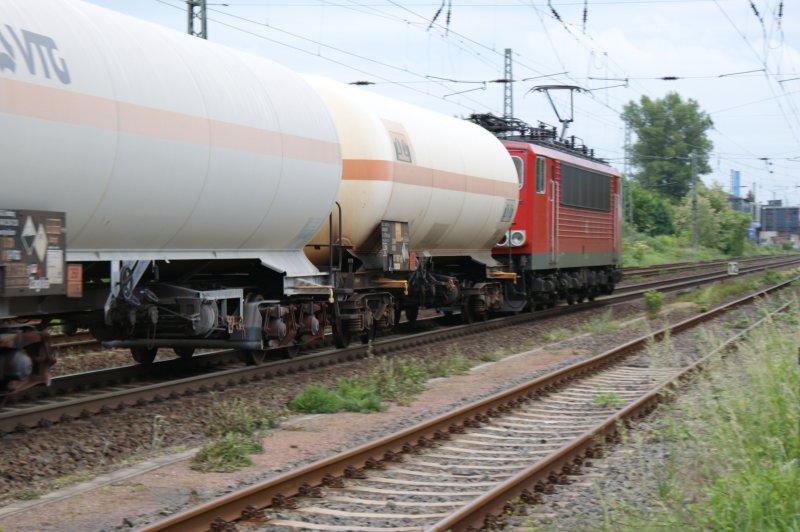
column 741, row 204
column 779, row 224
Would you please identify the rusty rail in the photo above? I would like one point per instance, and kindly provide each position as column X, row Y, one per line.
column 331, row 471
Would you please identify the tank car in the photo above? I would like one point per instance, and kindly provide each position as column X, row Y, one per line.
column 565, row 239
column 424, row 197
column 157, row 189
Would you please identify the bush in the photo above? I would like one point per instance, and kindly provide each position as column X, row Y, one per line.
column 226, row 454
column 639, row 250
column 396, row 379
column 349, row 396
column 653, row 299
column 453, row 363
column 238, row 416
column 772, row 277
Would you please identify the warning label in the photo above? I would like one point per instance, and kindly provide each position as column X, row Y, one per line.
column 32, row 253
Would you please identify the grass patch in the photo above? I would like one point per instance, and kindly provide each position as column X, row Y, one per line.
column 641, row 250
column 385, row 379
column 27, row 495
column 226, row 454
column 69, row 480
column 736, row 455
column 453, row 363
column 556, row 335
column 710, row 295
column 234, row 426
column 608, row 400
column 773, row 277
column 238, row 416
column 396, row 379
column 653, row 299
column 349, row 396
column 604, row 323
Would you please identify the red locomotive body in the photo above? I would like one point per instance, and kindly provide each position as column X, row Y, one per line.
column 581, row 195
column 565, row 240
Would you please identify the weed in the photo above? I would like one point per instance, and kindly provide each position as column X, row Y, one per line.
column 494, row 356
column 396, row 379
column 653, row 299
column 356, row 396
column 556, row 335
column 714, row 293
column 608, row 400
column 227, row 453
column 453, row 363
column 159, row 425
column 772, row 277
column 27, row 495
column 238, row 416
column 315, row 399
column 736, row 455
column 604, row 323
column 70, row 479
column 350, row 395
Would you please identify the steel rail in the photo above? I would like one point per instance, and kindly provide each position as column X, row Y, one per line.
column 488, row 510
column 247, row 502
column 680, row 266
column 700, row 278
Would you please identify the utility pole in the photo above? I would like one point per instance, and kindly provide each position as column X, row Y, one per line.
column 694, row 204
column 508, row 88
column 196, row 9
column 626, row 169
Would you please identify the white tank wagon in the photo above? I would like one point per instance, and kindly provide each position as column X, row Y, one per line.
column 179, row 179
column 424, row 198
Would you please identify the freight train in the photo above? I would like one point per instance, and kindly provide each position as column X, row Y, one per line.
column 162, row 191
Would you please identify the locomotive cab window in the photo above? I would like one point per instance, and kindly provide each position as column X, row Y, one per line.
column 540, row 175
column 519, row 164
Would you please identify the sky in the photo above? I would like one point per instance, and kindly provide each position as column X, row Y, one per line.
column 738, row 59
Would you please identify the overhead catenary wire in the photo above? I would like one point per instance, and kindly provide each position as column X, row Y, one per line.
column 454, row 44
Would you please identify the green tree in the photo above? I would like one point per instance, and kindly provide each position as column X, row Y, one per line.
column 650, row 213
column 671, row 143
column 719, row 226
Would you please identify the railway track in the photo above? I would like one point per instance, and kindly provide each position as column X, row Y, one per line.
column 676, row 267
column 463, row 469
column 106, row 390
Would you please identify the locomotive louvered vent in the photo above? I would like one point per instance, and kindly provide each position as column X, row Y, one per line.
column 584, row 188
column 515, row 129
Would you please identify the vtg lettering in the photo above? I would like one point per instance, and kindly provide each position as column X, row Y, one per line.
column 31, row 46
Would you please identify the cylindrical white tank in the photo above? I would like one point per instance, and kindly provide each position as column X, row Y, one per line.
column 157, row 144
column 451, row 180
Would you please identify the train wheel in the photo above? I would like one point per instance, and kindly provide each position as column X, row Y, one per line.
column 411, row 314
column 254, row 357
column 144, row 355
column 466, row 314
column 341, row 338
column 368, row 336
column 184, row 352
column 291, row 351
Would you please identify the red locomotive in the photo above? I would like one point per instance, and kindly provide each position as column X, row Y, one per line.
column 565, row 240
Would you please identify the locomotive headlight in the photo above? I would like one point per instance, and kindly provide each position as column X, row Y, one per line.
column 517, row 238
column 503, row 241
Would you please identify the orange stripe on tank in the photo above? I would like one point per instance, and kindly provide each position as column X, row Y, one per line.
column 59, row 105
column 411, row 174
